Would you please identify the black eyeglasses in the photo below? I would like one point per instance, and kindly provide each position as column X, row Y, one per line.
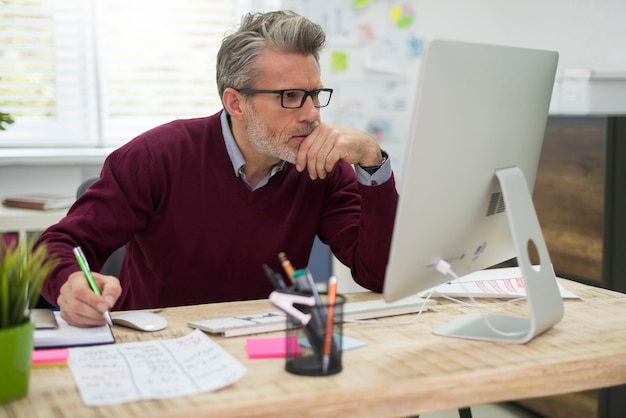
column 295, row 98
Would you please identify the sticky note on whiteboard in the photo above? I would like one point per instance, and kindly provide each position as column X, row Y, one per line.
column 339, row 61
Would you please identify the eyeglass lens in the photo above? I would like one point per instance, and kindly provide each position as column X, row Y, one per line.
column 296, row 98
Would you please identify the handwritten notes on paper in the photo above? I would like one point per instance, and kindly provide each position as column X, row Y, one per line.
column 491, row 283
column 112, row 374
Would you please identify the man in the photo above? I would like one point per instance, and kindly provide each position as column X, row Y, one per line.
column 201, row 204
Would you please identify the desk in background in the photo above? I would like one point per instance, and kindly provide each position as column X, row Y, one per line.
column 404, row 370
column 23, row 221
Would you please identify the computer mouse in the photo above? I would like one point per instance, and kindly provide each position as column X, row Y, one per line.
column 140, row 320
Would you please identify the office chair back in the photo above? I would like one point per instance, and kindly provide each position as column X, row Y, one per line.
column 113, row 264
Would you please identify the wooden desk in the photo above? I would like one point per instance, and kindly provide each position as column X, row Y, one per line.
column 404, row 370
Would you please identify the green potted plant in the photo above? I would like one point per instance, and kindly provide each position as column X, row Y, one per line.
column 23, row 269
column 5, row 118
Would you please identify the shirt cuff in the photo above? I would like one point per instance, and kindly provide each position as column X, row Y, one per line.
column 382, row 175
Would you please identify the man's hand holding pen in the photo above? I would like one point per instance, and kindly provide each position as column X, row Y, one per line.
column 80, row 306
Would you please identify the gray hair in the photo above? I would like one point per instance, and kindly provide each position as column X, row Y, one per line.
column 283, row 31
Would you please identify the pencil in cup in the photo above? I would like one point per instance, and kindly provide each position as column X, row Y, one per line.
column 307, row 357
column 287, row 266
column 330, row 317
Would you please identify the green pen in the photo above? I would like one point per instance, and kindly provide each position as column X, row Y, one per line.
column 84, row 266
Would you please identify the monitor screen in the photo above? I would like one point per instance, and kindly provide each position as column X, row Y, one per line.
column 465, row 196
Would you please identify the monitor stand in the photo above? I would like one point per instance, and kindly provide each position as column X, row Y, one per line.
column 542, row 293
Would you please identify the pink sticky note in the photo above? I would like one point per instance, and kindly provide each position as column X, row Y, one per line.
column 50, row 357
column 270, row 347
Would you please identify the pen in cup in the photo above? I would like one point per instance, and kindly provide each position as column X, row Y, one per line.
column 275, row 278
column 84, row 266
column 305, row 283
column 328, row 337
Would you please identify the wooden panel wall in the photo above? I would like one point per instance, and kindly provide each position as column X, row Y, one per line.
column 569, row 200
column 569, row 196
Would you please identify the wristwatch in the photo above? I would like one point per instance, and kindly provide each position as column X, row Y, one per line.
column 374, row 168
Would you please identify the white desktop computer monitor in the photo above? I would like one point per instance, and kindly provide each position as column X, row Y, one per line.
column 465, row 197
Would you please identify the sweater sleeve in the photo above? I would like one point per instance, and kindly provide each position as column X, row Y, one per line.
column 105, row 216
column 358, row 227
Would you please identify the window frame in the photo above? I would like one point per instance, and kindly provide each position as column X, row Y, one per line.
column 81, row 90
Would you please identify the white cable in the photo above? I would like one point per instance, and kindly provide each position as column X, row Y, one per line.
column 444, row 268
column 481, row 305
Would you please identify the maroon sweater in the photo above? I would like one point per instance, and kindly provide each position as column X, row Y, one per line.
column 194, row 233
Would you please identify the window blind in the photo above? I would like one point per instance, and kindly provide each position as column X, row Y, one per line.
column 45, row 72
column 157, row 61
column 100, row 72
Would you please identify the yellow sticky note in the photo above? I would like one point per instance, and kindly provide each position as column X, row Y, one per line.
column 401, row 15
column 396, row 13
column 339, row 61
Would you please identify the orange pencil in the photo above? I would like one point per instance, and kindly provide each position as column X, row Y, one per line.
column 286, row 265
column 328, row 338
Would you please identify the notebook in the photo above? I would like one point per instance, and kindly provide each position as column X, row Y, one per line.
column 39, row 201
column 69, row 336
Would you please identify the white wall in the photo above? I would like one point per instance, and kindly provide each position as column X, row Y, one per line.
column 586, row 33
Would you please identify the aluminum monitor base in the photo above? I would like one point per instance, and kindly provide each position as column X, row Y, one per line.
column 545, row 304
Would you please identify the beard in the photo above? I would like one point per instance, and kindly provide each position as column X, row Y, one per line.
column 269, row 142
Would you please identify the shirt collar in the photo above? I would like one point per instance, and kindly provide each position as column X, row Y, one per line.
column 236, row 158
column 231, row 146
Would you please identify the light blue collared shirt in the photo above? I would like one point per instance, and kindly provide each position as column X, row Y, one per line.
column 382, row 175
